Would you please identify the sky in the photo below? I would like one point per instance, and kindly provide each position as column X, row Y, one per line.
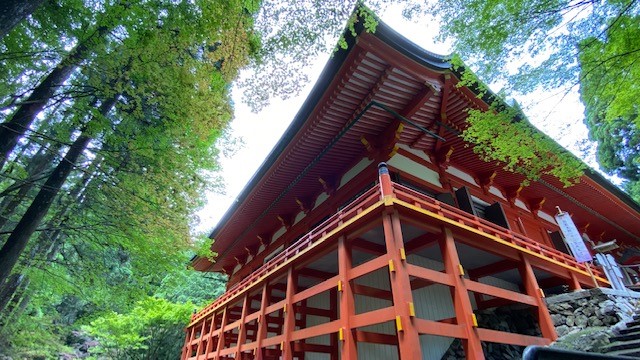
column 558, row 115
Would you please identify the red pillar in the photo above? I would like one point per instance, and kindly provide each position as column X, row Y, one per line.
column 533, row 289
column 242, row 328
column 574, row 285
column 349, row 348
column 408, row 337
column 223, row 324
column 262, row 320
column 289, row 316
column 461, row 301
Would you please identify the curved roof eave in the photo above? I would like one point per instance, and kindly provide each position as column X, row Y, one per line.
column 384, row 33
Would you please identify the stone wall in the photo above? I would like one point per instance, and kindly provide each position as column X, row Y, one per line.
column 591, row 308
column 512, row 319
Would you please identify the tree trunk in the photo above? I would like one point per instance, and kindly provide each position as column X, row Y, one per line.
column 36, row 170
column 12, row 12
column 27, row 225
column 8, row 288
column 14, row 128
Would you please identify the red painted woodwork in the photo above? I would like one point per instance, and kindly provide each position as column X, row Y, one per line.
column 326, row 252
column 334, row 234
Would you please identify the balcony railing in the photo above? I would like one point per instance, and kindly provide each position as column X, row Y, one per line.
column 366, row 201
column 410, row 200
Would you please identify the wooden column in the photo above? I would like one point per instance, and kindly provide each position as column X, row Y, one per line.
column 223, row 324
column 262, row 321
column 212, row 328
column 408, row 337
column 349, row 348
column 461, row 301
column 574, row 284
column 333, row 307
column 531, row 286
column 242, row 328
column 289, row 315
column 199, row 348
column 186, row 351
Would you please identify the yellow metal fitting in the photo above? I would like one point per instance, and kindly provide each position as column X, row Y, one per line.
column 339, row 285
column 392, row 267
column 399, row 323
column 474, row 320
column 541, row 293
column 341, row 334
column 461, row 269
column 412, row 310
column 403, row 255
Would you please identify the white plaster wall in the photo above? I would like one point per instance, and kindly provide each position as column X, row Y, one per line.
column 411, row 167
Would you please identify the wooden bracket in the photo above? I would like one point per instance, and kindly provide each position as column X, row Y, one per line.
column 265, row 239
column 328, row 185
column 536, row 204
column 486, row 180
column 305, row 204
column 285, row 220
column 443, row 157
column 513, row 193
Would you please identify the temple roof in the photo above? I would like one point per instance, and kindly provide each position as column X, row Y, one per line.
column 323, row 141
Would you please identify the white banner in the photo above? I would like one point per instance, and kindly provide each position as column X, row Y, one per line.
column 573, row 238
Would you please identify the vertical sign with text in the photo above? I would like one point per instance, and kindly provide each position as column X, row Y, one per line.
column 573, row 238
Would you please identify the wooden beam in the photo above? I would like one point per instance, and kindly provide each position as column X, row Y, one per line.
column 421, row 242
column 367, row 246
column 494, row 268
column 375, row 338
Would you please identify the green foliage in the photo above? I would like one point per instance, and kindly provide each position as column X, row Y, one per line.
column 611, row 101
column 559, row 44
column 34, row 337
column 153, row 329
column 120, row 228
column 498, row 136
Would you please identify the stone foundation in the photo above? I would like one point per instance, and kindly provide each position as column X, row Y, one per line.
column 583, row 309
column 507, row 319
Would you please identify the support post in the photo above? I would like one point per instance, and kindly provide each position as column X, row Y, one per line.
column 289, row 315
column 574, row 285
column 242, row 330
column 533, row 289
column 199, row 348
column 408, row 337
column 262, row 320
column 333, row 307
column 212, row 328
column 223, row 324
column 461, row 301
column 186, row 351
column 349, row 348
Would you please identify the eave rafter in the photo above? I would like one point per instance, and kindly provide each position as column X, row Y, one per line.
column 442, row 117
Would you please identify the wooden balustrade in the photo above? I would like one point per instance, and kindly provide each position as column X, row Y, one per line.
column 212, row 329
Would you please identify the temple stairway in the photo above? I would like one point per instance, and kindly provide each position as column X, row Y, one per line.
column 628, row 342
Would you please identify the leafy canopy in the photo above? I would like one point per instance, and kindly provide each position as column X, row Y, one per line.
column 558, row 44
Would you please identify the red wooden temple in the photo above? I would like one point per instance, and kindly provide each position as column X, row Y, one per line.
column 330, row 257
